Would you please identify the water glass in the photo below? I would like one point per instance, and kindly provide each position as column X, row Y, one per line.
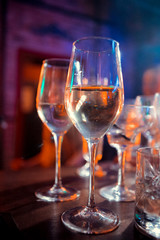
column 147, row 208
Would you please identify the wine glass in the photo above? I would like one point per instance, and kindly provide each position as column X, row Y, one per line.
column 94, row 98
column 51, row 110
column 148, row 100
column 145, row 100
column 132, row 121
column 84, row 171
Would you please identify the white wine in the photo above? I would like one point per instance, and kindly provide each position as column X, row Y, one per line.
column 93, row 109
column 54, row 116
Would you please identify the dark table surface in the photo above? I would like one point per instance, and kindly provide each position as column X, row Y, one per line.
column 23, row 216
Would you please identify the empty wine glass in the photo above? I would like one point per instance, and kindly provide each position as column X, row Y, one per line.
column 84, row 171
column 93, row 99
column 148, row 100
column 132, row 121
column 145, row 100
column 51, row 110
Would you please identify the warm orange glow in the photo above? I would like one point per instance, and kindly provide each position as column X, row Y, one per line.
column 45, row 158
column 31, row 71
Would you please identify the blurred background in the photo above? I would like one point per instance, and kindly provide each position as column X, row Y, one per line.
column 32, row 30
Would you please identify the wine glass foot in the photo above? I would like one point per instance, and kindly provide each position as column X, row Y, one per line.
column 84, row 171
column 57, row 194
column 117, row 193
column 90, row 220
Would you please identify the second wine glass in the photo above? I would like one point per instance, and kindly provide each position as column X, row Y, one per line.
column 134, row 119
column 94, row 99
column 51, row 110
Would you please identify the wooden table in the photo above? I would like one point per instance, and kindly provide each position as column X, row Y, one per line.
column 23, row 216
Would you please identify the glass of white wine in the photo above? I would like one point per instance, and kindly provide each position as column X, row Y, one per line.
column 94, row 98
column 51, row 110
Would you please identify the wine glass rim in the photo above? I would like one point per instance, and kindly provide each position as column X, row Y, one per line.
column 147, row 150
column 146, row 96
column 55, row 60
column 139, row 106
column 91, row 38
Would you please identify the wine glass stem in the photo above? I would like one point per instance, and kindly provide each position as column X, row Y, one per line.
column 92, row 155
column 121, row 168
column 58, row 146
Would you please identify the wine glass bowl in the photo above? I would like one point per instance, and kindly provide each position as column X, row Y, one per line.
column 93, row 99
column 51, row 110
column 145, row 100
column 149, row 100
column 95, row 107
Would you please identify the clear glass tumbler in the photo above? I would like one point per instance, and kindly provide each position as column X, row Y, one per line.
column 147, row 208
